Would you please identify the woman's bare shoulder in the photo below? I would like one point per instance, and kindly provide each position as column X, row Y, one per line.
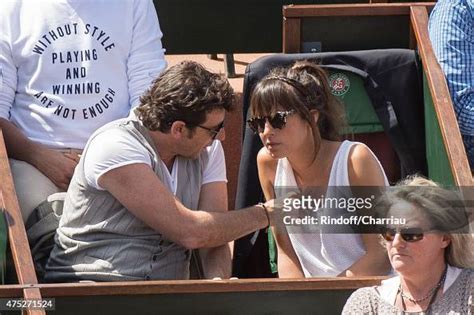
column 265, row 160
column 364, row 168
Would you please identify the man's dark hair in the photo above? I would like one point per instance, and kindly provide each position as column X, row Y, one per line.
column 185, row 92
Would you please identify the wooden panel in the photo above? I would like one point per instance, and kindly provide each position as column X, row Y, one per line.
column 233, row 146
column 33, row 294
column 15, row 292
column 291, row 35
column 385, row 9
column 19, row 291
column 16, row 230
column 277, row 302
column 441, row 100
column 204, row 286
column 349, row 33
column 412, row 38
column 342, row 27
column 256, row 296
column 12, row 290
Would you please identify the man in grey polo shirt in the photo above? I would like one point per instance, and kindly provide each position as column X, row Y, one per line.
column 128, row 211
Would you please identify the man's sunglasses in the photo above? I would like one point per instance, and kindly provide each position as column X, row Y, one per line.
column 277, row 121
column 214, row 131
column 408, row 234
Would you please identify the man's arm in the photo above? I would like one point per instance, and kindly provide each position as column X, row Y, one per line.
column 216, row 261
column 147, row 56
column 138, row 188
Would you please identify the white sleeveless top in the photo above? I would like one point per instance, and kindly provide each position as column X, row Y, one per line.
column 323, row 254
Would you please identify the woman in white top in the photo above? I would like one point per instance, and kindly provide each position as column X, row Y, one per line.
column 299, row 122
column 432, row 253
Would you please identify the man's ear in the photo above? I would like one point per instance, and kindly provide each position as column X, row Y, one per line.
column 315, row 114
column 178, row 129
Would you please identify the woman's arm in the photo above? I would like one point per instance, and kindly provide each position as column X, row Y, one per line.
column 365, row 170
column 288, row 264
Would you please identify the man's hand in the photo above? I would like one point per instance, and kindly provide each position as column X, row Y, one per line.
column 58, row 167
column 55, row 165
column 275, row 208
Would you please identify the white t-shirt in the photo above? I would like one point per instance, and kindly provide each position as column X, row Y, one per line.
column 110, row 150
column 69, row 67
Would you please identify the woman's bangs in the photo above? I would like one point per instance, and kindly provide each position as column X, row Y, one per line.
column 271, row 97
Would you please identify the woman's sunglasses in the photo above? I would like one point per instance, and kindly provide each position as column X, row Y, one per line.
column 277, row 121
column 408, row 234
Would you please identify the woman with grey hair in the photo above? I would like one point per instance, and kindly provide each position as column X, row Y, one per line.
column 432, row 254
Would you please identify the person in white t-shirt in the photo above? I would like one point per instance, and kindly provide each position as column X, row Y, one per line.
column 68, row 67
column 151, row 187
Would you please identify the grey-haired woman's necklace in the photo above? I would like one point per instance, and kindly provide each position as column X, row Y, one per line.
column 430, row 293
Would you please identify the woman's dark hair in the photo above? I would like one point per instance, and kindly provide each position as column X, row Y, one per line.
column 186, row 92
column 302, row 87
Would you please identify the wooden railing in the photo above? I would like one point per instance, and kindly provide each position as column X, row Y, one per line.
column 255, row 296
column 17, row 238
column 443, row 107
column 384, row 22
